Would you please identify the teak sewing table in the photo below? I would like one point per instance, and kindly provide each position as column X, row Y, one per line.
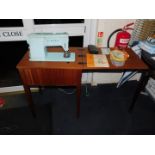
column 40, row 73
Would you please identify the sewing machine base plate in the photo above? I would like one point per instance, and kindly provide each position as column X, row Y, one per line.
column 57, row 56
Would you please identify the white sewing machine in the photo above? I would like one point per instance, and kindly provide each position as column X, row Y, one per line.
column 39, row 41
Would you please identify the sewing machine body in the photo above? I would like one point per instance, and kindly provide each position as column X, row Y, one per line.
column 39, row 41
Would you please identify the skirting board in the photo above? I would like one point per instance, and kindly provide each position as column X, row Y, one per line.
column 13, row 89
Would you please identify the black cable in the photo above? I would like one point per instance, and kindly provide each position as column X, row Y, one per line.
column 67, row 92
column 108, row 42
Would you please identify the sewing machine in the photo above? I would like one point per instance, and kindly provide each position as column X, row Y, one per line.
column 39, row 41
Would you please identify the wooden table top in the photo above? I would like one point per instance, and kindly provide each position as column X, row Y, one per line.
column 133, row 62
column 25, row 63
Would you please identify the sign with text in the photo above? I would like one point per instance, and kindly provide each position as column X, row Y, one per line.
column 10, row 35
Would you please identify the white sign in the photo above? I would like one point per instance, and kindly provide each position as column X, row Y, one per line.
column 8, row 35
column 11, row 34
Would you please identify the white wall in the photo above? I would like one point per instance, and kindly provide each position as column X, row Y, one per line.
column 107, row 26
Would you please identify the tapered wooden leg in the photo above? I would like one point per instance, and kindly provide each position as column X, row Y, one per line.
column 141, row 85
column 78, row 93
column 78, row 100
column 40, row 89
column 30, row 100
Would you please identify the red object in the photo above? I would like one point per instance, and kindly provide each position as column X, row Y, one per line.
column 2, row 102
column 123, row 37
column 100, row 34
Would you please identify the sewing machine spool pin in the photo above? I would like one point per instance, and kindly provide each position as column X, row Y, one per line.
column 67, row 54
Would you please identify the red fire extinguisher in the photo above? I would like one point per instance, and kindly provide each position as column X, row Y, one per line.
column 122, row 37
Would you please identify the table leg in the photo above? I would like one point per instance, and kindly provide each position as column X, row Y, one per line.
column 29, row 98
column 141, row 85
column 78, row 95
column 40, row 89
